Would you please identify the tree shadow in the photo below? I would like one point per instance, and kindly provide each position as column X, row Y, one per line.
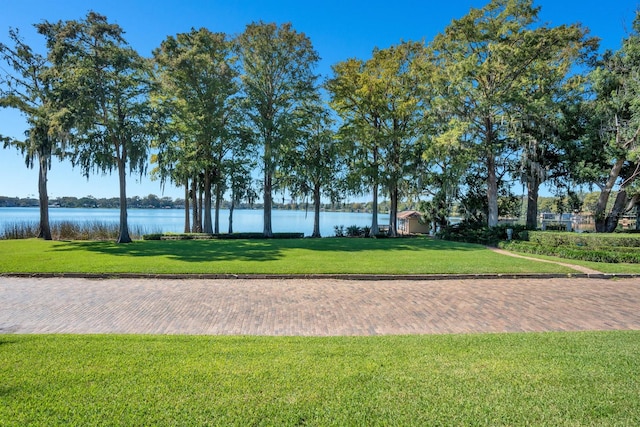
column 181, row 250
column 256, row 250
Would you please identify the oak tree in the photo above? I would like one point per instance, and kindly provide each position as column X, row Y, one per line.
column 483, row 60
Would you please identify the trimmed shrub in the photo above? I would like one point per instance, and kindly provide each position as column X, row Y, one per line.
column 629, row 231
column 186, row 236
column 154, row 236
column 473, row 232
column 590, row 240
column 222, row 236
column 610, row 255
column 557, row 226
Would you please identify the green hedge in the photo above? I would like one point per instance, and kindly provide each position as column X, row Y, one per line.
column 472, row 232
column 260, row 236
column 587, row 240
column 611, row 254
column 206, row 236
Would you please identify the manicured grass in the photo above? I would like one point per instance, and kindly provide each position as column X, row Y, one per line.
column 588, row 378
column 610, row 268
column 291, row 256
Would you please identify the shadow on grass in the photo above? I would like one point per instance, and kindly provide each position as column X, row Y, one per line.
column 256, row 250
column 185, row 250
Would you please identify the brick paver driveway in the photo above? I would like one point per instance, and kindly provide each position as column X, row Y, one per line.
column 316, row 307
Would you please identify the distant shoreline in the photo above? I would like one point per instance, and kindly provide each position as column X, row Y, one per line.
column 154, row 202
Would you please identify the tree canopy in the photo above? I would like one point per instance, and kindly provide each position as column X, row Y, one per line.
column 496, row 99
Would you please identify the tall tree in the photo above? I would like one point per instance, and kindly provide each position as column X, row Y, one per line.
column 545, row 110
column 314, row 165
column 353, row 95
column 381, row 104
column 240, row 181
column 28, row 89
column 105, row 85
column 174, row 163
column 197, row 76
column 483, row 59
column 402, row 70
column 615, row 135
column 278, row 77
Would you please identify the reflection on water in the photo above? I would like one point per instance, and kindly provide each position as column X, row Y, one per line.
column 172, row 220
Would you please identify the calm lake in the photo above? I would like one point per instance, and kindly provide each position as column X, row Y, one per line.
column 172, row 220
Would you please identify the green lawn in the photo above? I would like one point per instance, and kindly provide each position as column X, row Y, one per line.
column 610, row 268
column 495, row 379
column 295, row 256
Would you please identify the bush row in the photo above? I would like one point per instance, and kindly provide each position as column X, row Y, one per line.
column 221, row 236
column 472, row 232
column 553, row 239
column 351, row 231
column 611, row 254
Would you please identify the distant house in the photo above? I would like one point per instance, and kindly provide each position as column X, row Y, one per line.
column 410, row 222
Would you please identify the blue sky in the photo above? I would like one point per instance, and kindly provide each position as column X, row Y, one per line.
column 337, row 29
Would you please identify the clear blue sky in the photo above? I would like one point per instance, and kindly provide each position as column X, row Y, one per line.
column 338, row 30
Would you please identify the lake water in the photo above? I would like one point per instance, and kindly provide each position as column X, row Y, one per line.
column 172, row 220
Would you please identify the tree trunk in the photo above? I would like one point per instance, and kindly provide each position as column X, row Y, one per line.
column 492, row 180
column 611, row 221
column 601, row 205
column 268, row 232
column 200, row 208
column 492, row 191
column 123, row 235
column 216, row 222
column 393, row 211
column 533, row 187
column 187, row 213
column 374, row 214
column 208, row 225
column 443, row 219
column 44, row 231
column 231, row 207
column 194, row 206
column 316, row 211
column 374, row 220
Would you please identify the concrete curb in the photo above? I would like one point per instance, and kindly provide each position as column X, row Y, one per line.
column 370, row 277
